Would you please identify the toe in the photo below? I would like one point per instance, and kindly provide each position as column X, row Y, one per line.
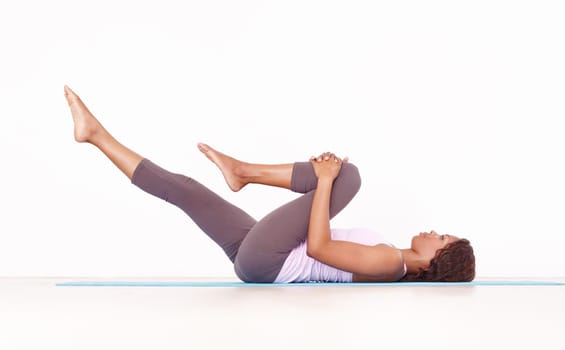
column 203, row 147
column 70, row 95
column 68, row 90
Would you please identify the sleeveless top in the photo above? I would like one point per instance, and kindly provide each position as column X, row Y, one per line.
column 299, row 267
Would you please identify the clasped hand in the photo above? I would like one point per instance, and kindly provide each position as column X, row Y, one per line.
column 327, row 165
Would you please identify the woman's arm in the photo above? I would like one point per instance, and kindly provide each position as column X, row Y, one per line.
column 319, row 224
column 381, row 262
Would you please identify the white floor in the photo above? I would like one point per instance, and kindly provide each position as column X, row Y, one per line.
column 36, row 314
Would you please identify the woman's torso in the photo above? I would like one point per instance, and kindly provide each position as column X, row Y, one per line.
column 299, row 267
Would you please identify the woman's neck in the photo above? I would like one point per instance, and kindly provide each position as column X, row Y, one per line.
column 414, row 262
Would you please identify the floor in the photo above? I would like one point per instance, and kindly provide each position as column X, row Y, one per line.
column 36, row 314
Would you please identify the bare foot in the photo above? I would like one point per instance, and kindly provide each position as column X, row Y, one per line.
column 231, row 168
column 86, row 125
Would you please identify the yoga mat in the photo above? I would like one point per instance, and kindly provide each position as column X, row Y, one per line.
column 311, row 284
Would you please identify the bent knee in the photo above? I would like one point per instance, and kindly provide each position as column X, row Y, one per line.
column 349, row 173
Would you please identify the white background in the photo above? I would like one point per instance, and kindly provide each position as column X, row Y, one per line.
column 451, row 110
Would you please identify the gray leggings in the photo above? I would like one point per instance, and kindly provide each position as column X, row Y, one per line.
column 258, row 249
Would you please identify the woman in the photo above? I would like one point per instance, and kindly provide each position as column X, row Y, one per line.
column 294, row 243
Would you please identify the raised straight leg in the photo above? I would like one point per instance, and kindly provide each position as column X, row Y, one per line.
column 223, row 222
column 89, row 129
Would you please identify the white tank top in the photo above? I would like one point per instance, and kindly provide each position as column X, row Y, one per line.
column 299, row 267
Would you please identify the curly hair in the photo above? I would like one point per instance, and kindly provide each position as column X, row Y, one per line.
column 454, row 263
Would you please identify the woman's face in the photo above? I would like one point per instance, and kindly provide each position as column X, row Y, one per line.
column 428, row 243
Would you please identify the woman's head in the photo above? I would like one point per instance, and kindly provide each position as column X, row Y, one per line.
column 451, row 259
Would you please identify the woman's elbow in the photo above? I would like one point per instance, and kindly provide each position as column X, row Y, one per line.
column 312, row 250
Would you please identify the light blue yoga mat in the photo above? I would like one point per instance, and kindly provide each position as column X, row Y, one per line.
column 313, row 284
